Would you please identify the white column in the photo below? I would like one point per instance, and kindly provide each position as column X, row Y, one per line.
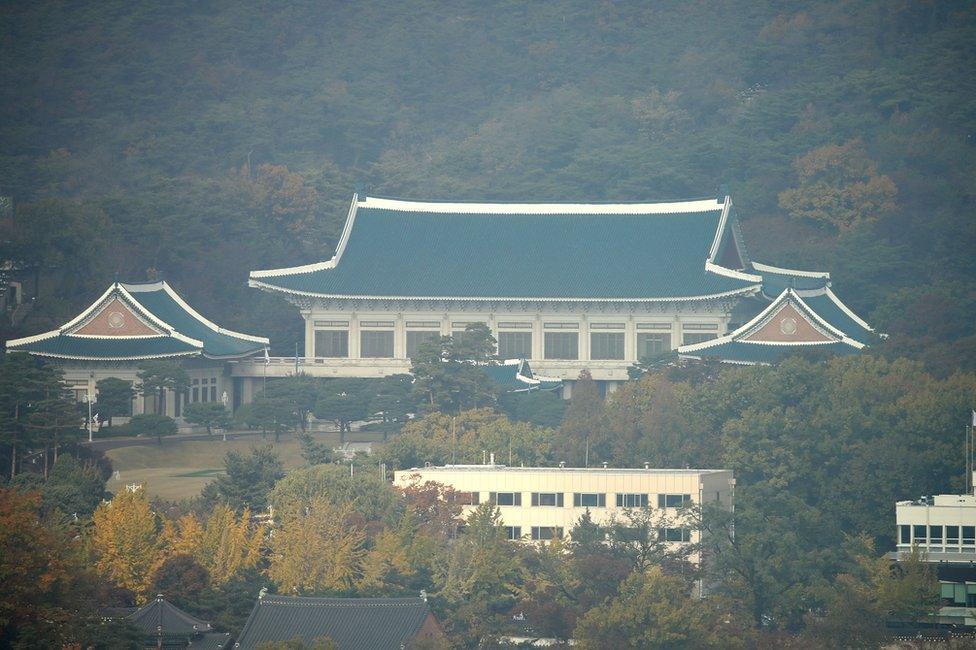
column 630, row 340
column 584, row 338
column 538, row 339
column 309, row 350
column 399, row 337
column 354, row 336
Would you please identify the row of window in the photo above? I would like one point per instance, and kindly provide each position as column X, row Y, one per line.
column 937, row 535
column 553, row 532
column 511, row 345
column 580, row 499
column 202, row 390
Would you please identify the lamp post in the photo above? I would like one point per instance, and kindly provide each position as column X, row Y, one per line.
column 89, row 399
column 224, row 400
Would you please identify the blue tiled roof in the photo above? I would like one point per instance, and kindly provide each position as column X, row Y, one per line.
column 833, row 314
column 65, row 346
column 182, row 332
column 352, row 623
column 508, row 377
column 216, row 344
column 454, row 254
column 759, row 353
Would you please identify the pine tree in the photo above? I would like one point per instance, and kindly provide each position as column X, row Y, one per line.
column 582, row 428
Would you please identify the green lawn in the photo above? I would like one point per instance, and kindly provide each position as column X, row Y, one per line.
column 179, row 469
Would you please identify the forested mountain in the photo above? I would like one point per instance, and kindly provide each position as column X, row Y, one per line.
column 204, row 139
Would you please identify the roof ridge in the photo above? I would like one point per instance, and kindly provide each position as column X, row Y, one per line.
column 542, row 208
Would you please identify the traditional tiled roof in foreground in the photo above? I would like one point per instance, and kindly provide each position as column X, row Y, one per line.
column 352, row 623
column 526, row 251
column 515, row 376
column 788, row 326
column 160, row 618
column 133, row 322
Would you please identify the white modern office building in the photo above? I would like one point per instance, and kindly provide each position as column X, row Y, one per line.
column 541, row 503
column 943, row 529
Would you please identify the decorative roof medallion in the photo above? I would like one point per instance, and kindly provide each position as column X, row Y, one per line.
column 788, row 326
column 116, row 320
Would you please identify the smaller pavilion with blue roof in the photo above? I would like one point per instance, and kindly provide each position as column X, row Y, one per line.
column 134, row 323
column 804, row 317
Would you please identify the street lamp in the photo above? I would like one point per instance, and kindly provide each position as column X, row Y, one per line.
column 225, row 400
column 90, row 399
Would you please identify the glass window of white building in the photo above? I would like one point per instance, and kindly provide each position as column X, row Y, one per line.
column 561, row 345
column 332, row 343
column 515, row 345
column 606, row 345
column 417, row 338
column 376, row 344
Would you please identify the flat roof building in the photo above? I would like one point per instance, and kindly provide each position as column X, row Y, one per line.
column 542, row 503
column 943, row 529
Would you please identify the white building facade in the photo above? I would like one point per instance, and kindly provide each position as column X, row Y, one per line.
column 542, row 503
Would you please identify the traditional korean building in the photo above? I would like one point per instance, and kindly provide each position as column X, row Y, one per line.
column 132, row 323
column 566, row 286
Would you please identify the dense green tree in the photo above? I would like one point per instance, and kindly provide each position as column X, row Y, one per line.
column 581, row 433
column 448, row 376
column 154, row 425
column 298, row 393
column 25, row 385
column 360, row 488
column 343, row 402
column 114, row 398
column 158, row 377
column 212, row 415
column 247, row 479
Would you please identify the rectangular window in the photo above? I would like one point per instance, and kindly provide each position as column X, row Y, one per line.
column 195, row 392
column 562, row 345
column 546, row 532
column 513, row 532
column 935, row 534
column 652, row 344
column 905, row 534
column 331, row 323
column 587, row 500
column 515, row 345
column 561, row 326
column 607, row 345
column 952, row 535
column 333, row 344
column 631, row 500
column 654, row 326
column 376, row 323
column 674, row 534
column 918, row 535
column 607, row 326
column 688, row 338
column 673, row 500
column 376, row 344
column 466, row 498
column 505, row 498
column 427, row 324
column 700, row 326
column 512, row 325
column 547, row 499
column 969, row 535
column 416, row 339
column 213, row 390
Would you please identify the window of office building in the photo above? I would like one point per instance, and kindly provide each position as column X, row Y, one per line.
column 606, row 345
column 513, row 532
column 546, row 532
column 506, row 498
column 515, row 345
column 650, row 344
column 631, row 500
column 466, row 498
column 213, row 389
column 952, row 535
column 587, row 500
column 376, row 344
column 935, row 534
column 674, row 534
column 904, row 534
column 195, row 390
column 417, row 338
column 333, row 344
column 547, row 499
column 672, row 500
column 561, row 345
column 918, row 534
column 969, row 535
